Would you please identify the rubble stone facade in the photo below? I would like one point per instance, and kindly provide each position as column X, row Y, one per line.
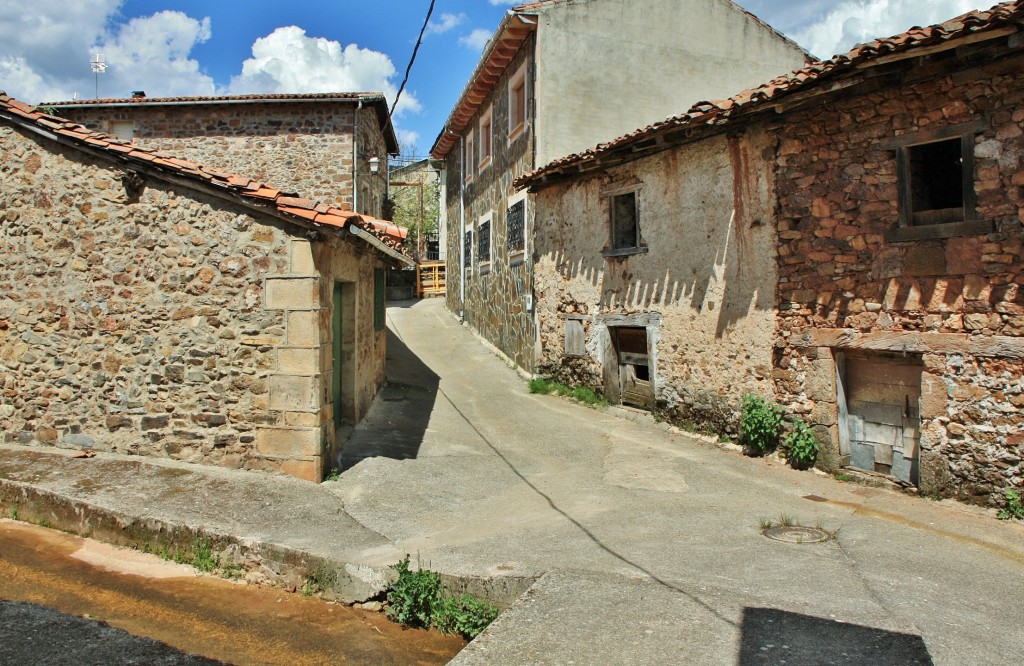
column 951, row 296
column 318, row 149
column 151, row 319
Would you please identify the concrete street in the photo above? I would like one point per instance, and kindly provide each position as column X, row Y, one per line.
column 634, row 543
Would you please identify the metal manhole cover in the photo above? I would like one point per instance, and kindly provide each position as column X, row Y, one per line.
column 797, row 534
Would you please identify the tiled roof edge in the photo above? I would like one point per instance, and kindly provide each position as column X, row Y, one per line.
column 721, row 112
column 240, row 188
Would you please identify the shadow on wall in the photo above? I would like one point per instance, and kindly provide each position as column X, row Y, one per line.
column 398, row 418
column 771, row 636
column 729, row 268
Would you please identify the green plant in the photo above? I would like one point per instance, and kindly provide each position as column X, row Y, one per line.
column 801, row 445
column 44, row 523
column 786, row 521
column 415, row 599
column 333, row 475
column 412, row 597
column 584, row 394
column 1014, row 505
column 760, row 422
column 842, row 476
column 464, row 615
column 202, row 555
column 765, row 523
column 14, row 513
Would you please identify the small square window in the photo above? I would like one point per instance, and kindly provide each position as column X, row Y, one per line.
column 123, row 129
column 936, row 182
column 624, row 221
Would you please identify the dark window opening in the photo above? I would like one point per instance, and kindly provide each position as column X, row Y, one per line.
column 483, row 244
column 643, row 372
column 625, row 230
column 467, row 250
column 936, row 182
column 515, row 223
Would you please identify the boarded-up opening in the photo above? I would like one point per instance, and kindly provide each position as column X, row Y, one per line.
column 634, row 369
column 882, row 398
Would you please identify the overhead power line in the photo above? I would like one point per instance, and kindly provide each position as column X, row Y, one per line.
column 408, row 69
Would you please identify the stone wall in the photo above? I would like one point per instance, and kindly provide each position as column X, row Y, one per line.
column 300, row 146
column 841, row 268
column 168, row 323
column 496, row 293
column 706, row 274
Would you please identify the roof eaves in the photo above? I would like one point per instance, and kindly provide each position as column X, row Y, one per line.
column 231, row 186
column 973, row 26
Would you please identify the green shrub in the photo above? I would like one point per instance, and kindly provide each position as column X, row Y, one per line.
column 412, row 597
column 584, row 394
column 760, row 423
column 541, row 386
column 801, row 445
column 415, row 599
column 1014, row 506
column 464, row 615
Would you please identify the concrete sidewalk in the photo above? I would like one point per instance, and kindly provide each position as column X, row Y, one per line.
column 618, row 542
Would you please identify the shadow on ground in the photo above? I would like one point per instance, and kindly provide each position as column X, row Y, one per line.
column 397, row 420
column 772, row 636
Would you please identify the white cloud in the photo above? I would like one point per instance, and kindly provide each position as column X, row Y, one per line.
column 447, row 22
column 288, row 61
column 507, row 2
column 851, row 22
column 477, row 39
column 407, row 137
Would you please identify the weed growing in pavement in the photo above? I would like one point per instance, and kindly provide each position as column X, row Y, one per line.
column 801, row 445
column 765, row 523
column 202, row 555
column 45, row 523
column 416, row 599
column 333, row 475
column 760, row 422
column 842, row 476
column 584, row 394
column 1014, row 506
column 786, row 521
column 14, row 513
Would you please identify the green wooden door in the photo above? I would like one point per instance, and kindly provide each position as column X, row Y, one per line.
column 336, row 352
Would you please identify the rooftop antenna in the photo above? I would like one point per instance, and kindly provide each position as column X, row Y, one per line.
column 98, row 65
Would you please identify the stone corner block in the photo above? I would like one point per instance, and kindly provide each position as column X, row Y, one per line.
column 304, row 329
column 290, row 392
column 289, row 442
column 301, row 257
column 307, row 470
column 291, row 293
column 301, row 361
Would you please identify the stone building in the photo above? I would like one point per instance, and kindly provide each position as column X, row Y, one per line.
column 318, row 144
column 559, row 76
column 846, row 239
column 154, row 306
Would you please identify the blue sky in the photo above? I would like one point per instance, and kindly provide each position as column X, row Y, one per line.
column 204, row 47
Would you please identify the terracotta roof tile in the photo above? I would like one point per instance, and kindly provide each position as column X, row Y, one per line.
column 282, row 202
column 722, row 111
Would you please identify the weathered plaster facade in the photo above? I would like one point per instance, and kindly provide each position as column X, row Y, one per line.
column 950, row 297
column 703, row 282
column 319, row 146
column 144, row 316
column 594, row 69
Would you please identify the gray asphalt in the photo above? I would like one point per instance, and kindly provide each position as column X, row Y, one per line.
column 614, row 540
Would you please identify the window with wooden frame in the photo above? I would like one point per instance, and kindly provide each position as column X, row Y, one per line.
column 624, row 222
column 486, row 139
column 467, row 252
column 935, row 175
column 517, row 103
column 575, row 337
column 469, row 156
